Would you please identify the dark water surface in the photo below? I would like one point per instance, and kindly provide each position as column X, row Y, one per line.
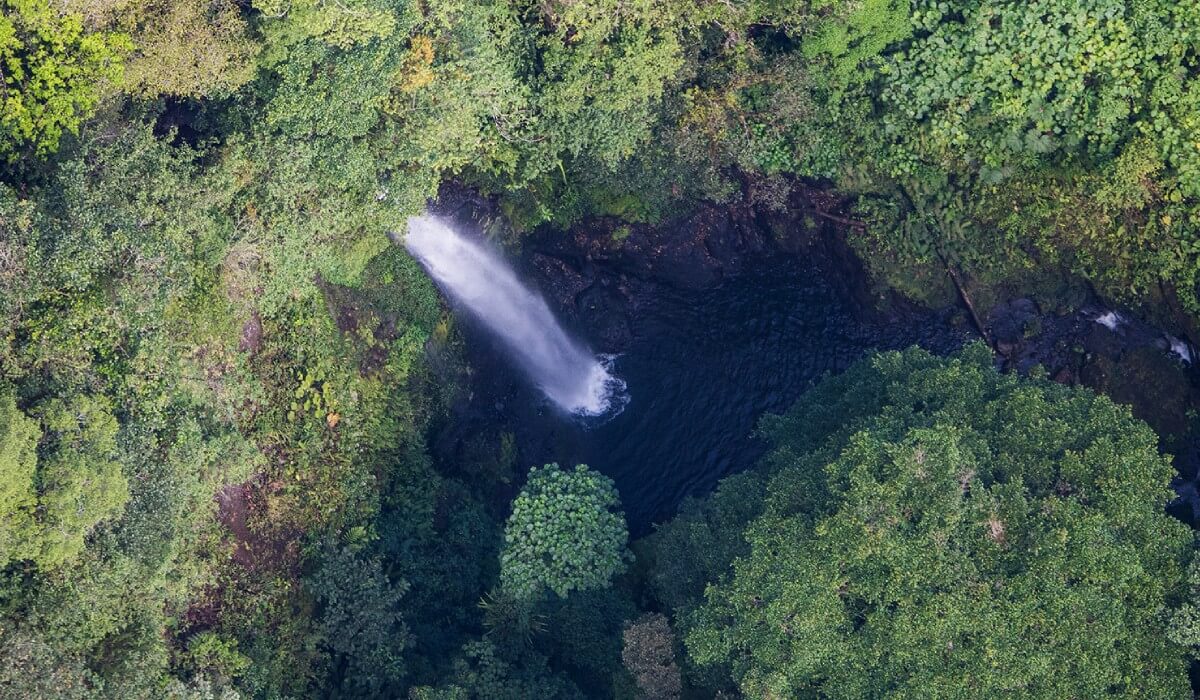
column 700, row 370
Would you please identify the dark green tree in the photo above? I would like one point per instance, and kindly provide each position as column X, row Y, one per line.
column 360, row 622
column 982, row 535
column 482, row 672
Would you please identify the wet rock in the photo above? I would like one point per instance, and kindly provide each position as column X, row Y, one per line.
column 676, row 254
column 559, row 280
column 1009, row 321
column 1112, row 352
column 733, row 239
column 602, row 310
column 1150, row 381
column 695, row 252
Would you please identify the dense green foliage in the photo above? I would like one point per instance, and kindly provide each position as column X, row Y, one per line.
column 218, row 376
column 932, row 528
column 19, row 436
column 563, row 533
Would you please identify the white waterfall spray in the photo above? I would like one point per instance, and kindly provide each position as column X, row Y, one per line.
column 481, row 282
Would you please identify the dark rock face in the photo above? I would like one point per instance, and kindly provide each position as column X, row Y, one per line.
column 693, row 253
column 1123, row 357
column 1109, row 351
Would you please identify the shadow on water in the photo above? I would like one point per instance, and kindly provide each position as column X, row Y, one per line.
column 700, row 368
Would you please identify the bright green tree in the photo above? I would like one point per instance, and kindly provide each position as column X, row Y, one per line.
column 52, row 73
column 1184, row 628
column 565, row 533
column 50, row 504
column 982, row 535
column 1045, row 77
column 80, row 481
column 19, row 435
column 1069, row 128
column 341, row 24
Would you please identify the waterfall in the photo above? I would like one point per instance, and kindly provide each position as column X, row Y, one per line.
column 479, row 281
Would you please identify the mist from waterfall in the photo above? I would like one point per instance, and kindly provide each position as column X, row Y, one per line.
column 478, row 280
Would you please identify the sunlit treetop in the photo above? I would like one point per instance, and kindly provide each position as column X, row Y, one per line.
column 52, row 74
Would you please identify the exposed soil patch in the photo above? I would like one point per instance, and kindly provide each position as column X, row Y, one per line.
column 371, row 331
column 252, row 334
column 239, row 506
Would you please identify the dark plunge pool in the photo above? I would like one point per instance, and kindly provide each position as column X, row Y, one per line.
column 701, row 367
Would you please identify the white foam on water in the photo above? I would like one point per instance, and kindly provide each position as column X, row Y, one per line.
column 1110, row 320
column 1180, row 348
